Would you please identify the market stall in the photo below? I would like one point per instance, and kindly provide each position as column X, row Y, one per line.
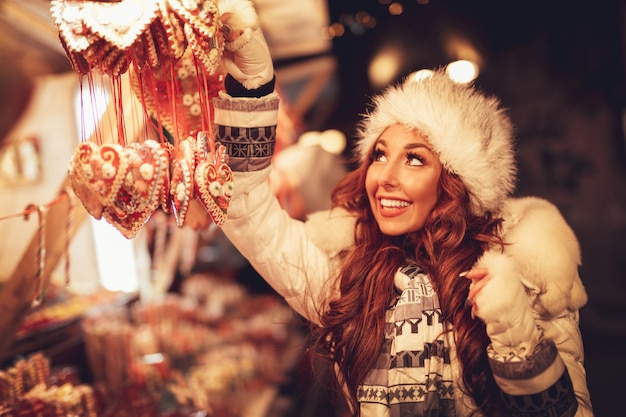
column 123, row 325
column 227, row 355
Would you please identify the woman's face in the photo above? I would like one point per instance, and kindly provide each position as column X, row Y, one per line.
column 401, row 181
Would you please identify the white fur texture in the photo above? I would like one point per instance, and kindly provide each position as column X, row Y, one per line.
column 244, row 13
column 547, row 253
column 247, row 58
column 331, row 230
column 504, row 305
column 470, row 132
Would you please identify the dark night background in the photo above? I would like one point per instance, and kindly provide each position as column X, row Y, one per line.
column 559, row 68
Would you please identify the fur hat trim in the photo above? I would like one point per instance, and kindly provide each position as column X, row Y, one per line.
column 469, row 131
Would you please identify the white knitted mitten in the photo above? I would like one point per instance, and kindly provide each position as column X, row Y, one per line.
column 246, row 54
column 499, row 298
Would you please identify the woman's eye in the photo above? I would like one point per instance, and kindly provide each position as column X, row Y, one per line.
column 379, row 156
column 415, row 160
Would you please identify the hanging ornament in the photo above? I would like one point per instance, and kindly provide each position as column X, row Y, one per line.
column 214, row 181
column 143, row 188
column 169, row 52
column 100, row 171
column 110, row 35
column 182, row 179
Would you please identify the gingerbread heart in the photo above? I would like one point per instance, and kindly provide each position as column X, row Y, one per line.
column 87, row 197
column 169, row 28
column 199, row 14
column 206, row 49
column 100, row 168
column 108, row 35
column 142, row 190
column 182, row 179
column 68, row 17
column 121, row 23
column 200, row 30
column 179, row 99
column 214, row 184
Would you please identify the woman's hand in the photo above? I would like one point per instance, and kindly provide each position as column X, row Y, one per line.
column 246, row 54
column 498, row 297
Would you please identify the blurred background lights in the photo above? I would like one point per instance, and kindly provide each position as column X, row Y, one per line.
column 462, row 71
column 420, row 74
column 336, row 30
column 396, row 9
column 309, row 138
column 366, row 20
column 385, row 67
column 333, row 141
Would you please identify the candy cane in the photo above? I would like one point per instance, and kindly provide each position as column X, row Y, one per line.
column 68, row 231
column 40, row 252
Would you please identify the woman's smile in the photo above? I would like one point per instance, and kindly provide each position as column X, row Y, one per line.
column 393, row 207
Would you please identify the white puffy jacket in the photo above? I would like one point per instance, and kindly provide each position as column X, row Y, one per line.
column 301, row 260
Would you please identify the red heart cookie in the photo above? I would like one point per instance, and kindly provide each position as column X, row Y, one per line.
column 100, row 169
column 214, row 184
column 142, row 190
column 181, row 183
column 87, row 197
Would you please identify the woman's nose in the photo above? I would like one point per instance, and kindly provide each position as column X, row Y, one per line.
column 388, row 176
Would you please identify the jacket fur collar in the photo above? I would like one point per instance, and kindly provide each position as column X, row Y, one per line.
column 542, row 245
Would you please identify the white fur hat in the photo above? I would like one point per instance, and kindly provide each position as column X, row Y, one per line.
column 469, row 130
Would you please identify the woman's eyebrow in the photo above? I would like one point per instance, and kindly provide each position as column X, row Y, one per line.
column 415, row 145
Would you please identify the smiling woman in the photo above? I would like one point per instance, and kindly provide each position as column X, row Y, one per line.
column 356, row 284
column 417, row 283
column 402, row 180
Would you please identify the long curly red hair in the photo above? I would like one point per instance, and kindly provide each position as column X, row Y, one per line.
column 450, row 242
